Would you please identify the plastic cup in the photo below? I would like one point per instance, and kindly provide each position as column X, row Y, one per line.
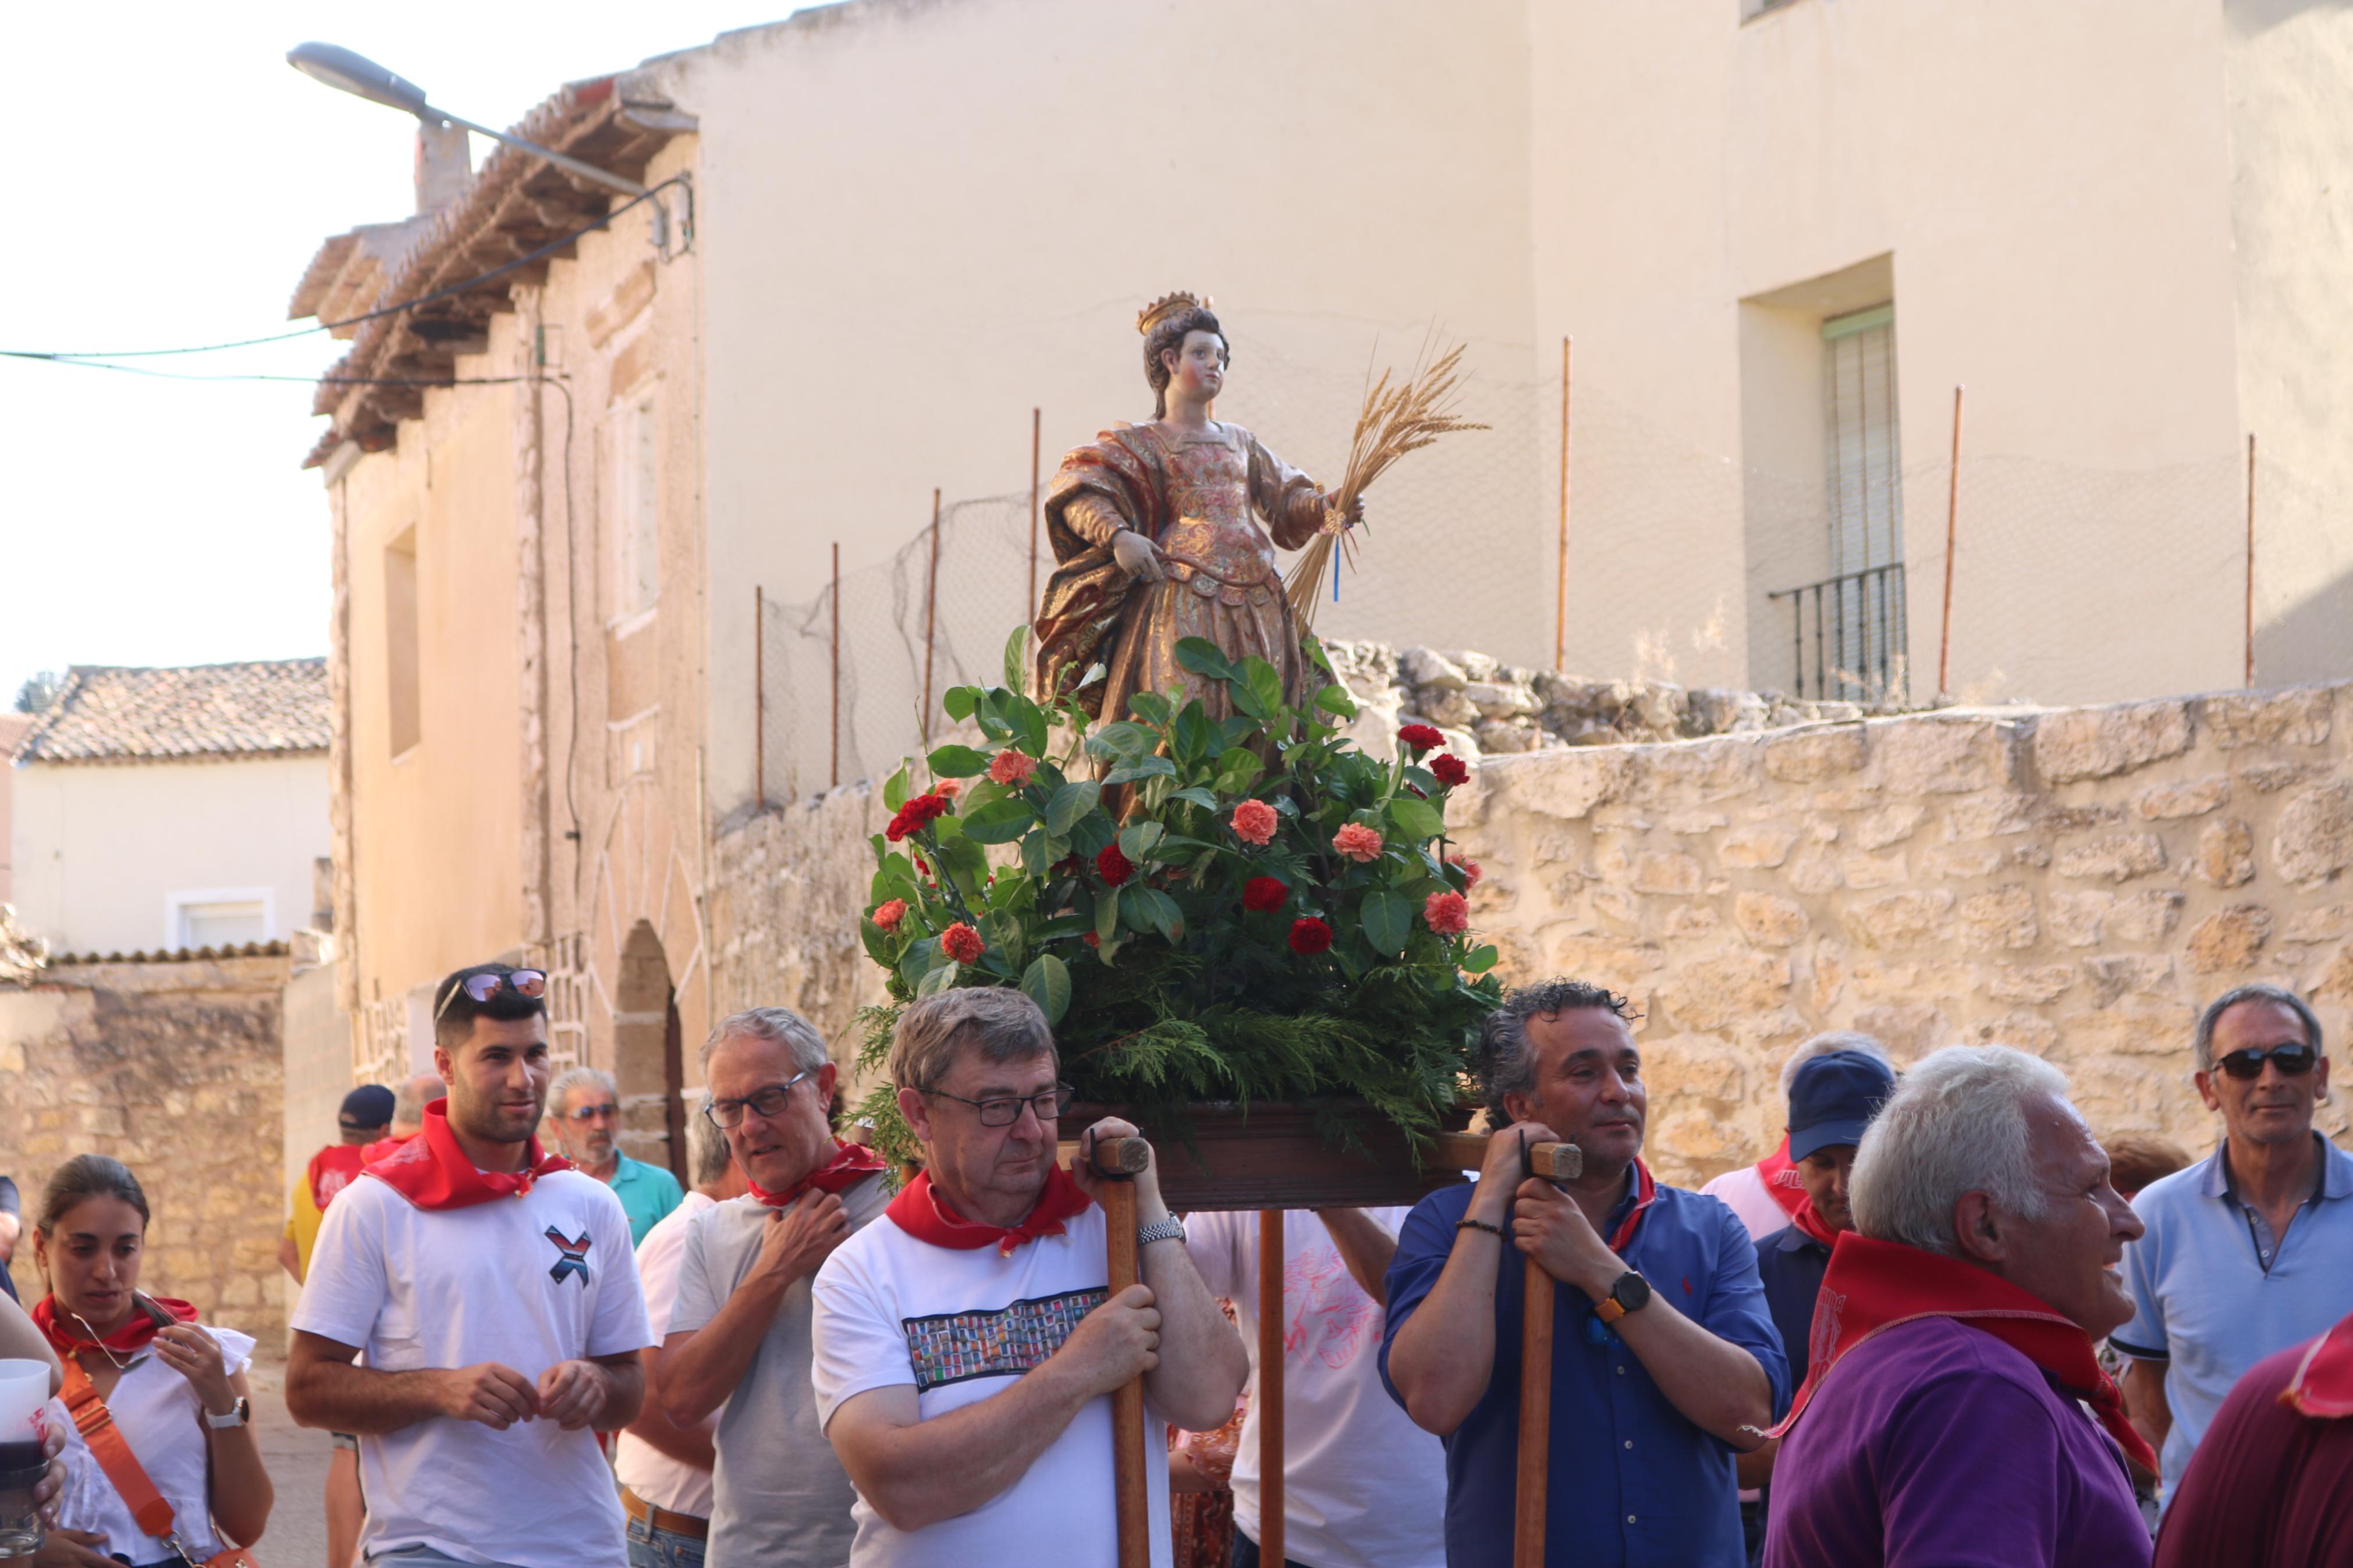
column 24, row 1401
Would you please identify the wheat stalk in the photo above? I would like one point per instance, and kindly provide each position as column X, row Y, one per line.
column 1395, row 419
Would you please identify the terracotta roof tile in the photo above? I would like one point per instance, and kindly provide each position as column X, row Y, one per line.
column 111, row 712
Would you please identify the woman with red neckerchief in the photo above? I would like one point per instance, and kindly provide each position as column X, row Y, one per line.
column 161, row 1459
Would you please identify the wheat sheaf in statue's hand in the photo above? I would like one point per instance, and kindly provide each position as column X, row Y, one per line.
column 1137, row 556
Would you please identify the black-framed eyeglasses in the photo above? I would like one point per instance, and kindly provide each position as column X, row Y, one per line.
column 2293, row 1060
column 530, row 983
column 728, row 1114
column 1005, row 1111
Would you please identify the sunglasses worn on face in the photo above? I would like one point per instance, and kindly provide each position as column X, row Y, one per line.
column 591, row 1113
column 2293, row 1061
column 529, row 982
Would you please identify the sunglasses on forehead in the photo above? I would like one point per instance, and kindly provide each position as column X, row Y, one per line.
column 2292, row 1060
column 528, row 983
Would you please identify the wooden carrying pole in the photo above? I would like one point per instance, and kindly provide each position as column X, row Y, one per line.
column 1269, row 1386
column 1952, row 515
column 1121, row 1159
column 1560, row 603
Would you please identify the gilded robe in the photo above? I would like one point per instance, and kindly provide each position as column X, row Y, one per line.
column 1198, row 496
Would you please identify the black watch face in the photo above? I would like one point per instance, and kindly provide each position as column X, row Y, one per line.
column 1632, row 1292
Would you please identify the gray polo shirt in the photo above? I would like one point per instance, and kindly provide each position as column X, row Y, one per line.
column 2214, row 1291
column 779, row 1497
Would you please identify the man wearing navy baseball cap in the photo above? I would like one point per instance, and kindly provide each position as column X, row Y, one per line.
column 1832, row 1098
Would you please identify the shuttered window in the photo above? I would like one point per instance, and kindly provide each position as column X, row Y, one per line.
column 1865, row 488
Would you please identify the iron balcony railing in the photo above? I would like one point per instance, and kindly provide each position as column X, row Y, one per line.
column 1858, row 635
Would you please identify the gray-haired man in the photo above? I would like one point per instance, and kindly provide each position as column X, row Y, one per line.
column 583, row 1106
column 738, row 1338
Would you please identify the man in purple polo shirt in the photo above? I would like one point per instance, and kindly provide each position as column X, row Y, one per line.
column 1955, row 1414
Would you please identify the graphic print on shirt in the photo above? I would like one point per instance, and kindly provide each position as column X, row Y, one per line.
column 1826, row 1307
column 954, row 1346
column 575, row 1259
column 1331, row 1317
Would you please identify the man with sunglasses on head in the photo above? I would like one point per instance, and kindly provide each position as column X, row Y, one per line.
column 2251, row 1249
column 584, row 1109
column 738, row 1337
column 495, row 1292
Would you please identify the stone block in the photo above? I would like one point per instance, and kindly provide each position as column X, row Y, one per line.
column 1909, row 1030
column 1694, row 1065
column 1602, row 960
column 1889, row 825
column 2336, row 982
column 2116, row 974
column 2018, row 1030
column 1754, row 848
column 2270, row 778
column 1990, row 817
column 2079, row 818
column 1689, row 824
column 1912, row 919
column 1505, row 736
column 2298, row 716
column 2228, row 939
column 2225, row 857
column 1816, row 873
column 1712, row 770
column 2313, row 838
column 1445, row 707
column 1423, row 667
column 2077, row 918
column 2003, row 918
column 2142, row 1027
column 1699, row 1136
column 2164, row 802
column 1953, row 863
column 2037, row 984
column 1690, row 922
column 1501, row 699
column 2148, row 916
column 2095, row 742
column 1864, row 871
column 1942, row 756
column 1810, row 756
column 2330, row 922
column 2112, row 858
column 1770, row 919
column 1712, row 991
column 1565, row 784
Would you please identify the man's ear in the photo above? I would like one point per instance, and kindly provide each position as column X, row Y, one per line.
column 1978, row 1229
column 444, row 1067
column 2205, row 1083
column 1518, row 1107
column 826, row 1076
column 917, row 1112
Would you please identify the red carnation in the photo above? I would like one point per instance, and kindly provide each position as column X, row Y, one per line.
column 1420, row 737
column 1265, row 893
column 961, row 942
column 889, row 915
column 1310, row 936
column 1450, row 770
column 1446, row 913
column 1091, row 939
column 1113, row 866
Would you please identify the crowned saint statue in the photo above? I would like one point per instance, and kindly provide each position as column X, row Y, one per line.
column 1156, row 534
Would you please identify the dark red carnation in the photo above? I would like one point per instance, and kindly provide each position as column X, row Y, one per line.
column 917, row 813
column 1310, row 936
column 1113, row 866
column 1420, row 737
column 1265, row 893
column 1450, row 770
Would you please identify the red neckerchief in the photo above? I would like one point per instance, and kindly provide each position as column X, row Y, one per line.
column 131, row 1339
column 1784, row 1187
column 851, row 1163
column 382, row 1148
column 925, row 1216
column 1646, row 1193
column 332, row 1169
column 1874, row 1286
column 2323, row 1384
column 432, row 1172
column 1808, row 1222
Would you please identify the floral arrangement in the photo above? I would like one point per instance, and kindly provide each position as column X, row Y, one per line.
column 1236, row 909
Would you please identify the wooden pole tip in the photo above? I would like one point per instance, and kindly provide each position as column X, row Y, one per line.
column 1122, row 1157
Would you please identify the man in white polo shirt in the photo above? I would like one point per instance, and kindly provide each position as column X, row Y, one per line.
column 966, row 1351
column 494, row 1291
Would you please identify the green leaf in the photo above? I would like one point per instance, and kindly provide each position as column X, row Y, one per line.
column 1149, row 906
column 1193, row 736
column 960, row 701
column 965, row 863
column 938, row 980
column 1388, row 920
column 1122, row 738
column 877, row 941
column 917, row 961
column 1203, row 656
column 1135, row 842
column 1480, row 960
column 1107, row 915
column 1198, row 796
column 1335, row 698
column 1263, row 682
column 1070, row 802
column 1029, row 720
column 1000, row 822
column 1142, row 768
column 1239, row 767
column 1048, row 983
column 1016, row 659
column 894, row 789
column 1417, row 819
column 1152, row 707
column 957, row 762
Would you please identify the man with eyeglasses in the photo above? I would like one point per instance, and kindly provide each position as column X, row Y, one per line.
column 2251, row 1249
column 738, row 1337
column 584, row 1109
column 965, row 1352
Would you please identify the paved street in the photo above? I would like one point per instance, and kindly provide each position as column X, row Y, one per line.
column 297, row 1460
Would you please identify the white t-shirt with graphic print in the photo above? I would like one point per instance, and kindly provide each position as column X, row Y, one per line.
column 961, row 1326
column 523, row 1282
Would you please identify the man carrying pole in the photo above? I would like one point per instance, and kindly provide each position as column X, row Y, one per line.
column 1665, row 1363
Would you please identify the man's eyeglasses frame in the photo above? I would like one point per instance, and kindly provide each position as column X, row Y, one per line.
column 728, row 1114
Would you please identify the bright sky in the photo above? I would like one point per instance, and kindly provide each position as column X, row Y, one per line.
column 174, row 177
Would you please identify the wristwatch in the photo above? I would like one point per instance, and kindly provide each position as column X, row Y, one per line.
column 1631, row 1293
column 1169, row 1229
column 238, row 1414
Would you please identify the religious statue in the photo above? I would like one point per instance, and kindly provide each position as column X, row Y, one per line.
column 1157, row 532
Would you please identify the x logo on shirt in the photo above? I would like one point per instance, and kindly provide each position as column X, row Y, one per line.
column 575, row 1259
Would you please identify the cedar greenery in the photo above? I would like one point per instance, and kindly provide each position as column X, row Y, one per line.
column 1165, row 990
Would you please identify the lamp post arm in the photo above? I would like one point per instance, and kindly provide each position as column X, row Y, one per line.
column 605, row 177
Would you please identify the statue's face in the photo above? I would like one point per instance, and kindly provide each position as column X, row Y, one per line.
column 1196, row 371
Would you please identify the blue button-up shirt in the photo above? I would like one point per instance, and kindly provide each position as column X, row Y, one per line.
column 2214, row 1292
column 1633, row 1483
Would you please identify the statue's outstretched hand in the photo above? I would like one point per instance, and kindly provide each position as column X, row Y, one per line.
column 1137, row 556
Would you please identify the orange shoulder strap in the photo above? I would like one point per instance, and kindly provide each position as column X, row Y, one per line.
column 112, row 1451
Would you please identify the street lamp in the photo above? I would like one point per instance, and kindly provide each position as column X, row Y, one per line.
column 363, row 77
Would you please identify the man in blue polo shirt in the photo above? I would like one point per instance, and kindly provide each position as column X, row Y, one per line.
column 1665, row 1363
column 583, row 1105
column 2251, row 1249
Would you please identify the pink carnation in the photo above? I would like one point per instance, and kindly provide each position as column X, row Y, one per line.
column 949, row 788
column 889, row 916
column 1254, row 822
column 1358, row 843
column 961, row 942
column 1447, row 913
column 1012, row 768
column 1470, row 869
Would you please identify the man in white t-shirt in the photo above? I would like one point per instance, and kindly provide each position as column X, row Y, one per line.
column 738, row 1340
column 1362, row 1487
column 966, row 1351
column 1768, row 1195
column 664, row 1468
column 495, row 1293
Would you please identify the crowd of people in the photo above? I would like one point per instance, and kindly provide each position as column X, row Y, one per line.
column 1940, row 1323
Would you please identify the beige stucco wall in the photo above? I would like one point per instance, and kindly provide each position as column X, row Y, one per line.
column 99, row 846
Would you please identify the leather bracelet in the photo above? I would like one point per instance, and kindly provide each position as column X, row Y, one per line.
column 1494, row 1230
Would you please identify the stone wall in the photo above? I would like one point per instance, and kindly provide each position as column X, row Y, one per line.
column 2075, row 882
column 175, row 1069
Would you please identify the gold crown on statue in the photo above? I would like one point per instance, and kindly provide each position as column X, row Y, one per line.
column 1168, row 305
